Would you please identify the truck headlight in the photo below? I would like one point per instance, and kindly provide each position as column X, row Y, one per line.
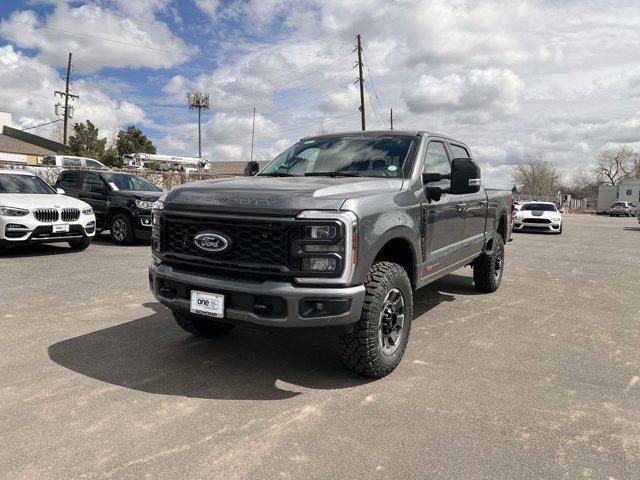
column 327, row 245
column 321, row 264
column 320, row 232
column 143, row 204
column 13, row 212
column 87, row 211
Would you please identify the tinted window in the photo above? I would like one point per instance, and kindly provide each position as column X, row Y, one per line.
column 69, row 180
column 127, row 181
column 49, row 161
column 92, row 163
column 367, row 156
column 458, row 151
column 12, row 183
column 92, row 180
column 539, row 207
column 71, row 162
column 437, row 161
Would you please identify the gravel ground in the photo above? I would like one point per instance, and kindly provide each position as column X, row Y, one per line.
column 538, row 380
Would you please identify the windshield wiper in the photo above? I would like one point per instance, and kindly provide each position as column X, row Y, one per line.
column 332, row 174
column 276, row 174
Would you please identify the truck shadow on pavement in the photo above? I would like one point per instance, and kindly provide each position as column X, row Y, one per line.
column 152, row 354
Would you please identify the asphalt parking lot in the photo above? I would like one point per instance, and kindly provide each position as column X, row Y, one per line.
column 539, row 380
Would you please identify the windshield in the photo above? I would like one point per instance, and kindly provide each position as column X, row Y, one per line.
column 619, row 204
column 381, row 156
column 127, row 181
column 13, row 183
column 539, row 207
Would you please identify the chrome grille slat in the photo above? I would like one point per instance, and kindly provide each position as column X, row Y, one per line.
column 70, row 214
column 46, row 215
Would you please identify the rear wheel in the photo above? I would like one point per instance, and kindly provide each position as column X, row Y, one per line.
column 80, row 244
column 488, row 267
column 378, row 341
column 121, row 229
column 199, row 326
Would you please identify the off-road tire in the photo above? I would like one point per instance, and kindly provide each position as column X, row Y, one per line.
column 128, row 236
column 199, row 326
column 485, row 277
column 361, row 349
column 80, row 244
column 2, row 249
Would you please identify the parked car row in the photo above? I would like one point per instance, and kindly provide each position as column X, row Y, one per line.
column 84, row 202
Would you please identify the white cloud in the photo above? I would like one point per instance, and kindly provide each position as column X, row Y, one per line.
column 26, row 90
column 475, row 90
column 98, row 37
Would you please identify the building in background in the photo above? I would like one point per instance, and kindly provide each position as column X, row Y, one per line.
column 19, row 147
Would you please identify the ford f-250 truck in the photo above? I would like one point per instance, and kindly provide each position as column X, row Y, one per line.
column 338, row 231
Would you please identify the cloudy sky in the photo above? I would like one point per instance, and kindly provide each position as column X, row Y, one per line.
column 556, row 77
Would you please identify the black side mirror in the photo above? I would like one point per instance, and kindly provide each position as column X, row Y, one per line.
column 465, row 176
column 251, row 169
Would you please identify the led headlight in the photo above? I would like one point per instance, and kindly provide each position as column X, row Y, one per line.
column 556, row 219
column 13, row 212
column 319, row 264
column 320, row 232
column 144, row 204
column 87, row 211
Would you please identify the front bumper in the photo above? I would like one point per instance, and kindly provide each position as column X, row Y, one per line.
column 267, row 303
column 22, row 230
column 520, row 226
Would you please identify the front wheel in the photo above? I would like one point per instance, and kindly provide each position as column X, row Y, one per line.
column 488, row 267
column 378, row 341
column 121, row 229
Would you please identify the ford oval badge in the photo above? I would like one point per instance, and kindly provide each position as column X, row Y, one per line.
column 212, row 242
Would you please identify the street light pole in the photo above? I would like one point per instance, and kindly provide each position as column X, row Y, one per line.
column 198, row 101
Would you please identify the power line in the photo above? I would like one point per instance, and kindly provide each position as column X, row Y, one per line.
column 41, row 125
column 67, row 111
column 373, row 85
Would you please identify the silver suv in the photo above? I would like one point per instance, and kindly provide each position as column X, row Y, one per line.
column 626, row 209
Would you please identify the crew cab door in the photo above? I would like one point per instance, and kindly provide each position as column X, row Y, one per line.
column 474, row 210
column 443, row 219
column 94, row 191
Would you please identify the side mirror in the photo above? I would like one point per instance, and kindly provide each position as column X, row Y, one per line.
column 251, row 169
column 60, row 191
column 465, row 176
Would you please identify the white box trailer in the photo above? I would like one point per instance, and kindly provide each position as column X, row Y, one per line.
column 607, row 194
column 629, row 191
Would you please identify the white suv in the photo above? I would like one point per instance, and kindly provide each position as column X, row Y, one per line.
column 33, row 212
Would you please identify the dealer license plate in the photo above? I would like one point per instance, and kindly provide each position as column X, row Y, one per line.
column 209, row 304
column 60, row 228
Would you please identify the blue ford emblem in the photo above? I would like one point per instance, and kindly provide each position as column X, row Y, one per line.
column 212, row 242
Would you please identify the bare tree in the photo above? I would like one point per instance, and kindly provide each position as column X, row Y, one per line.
column 616, row 164
column 583, row 184
column 536, row 177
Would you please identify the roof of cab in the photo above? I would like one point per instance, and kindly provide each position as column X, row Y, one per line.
column 16, row 172
column 375, row 133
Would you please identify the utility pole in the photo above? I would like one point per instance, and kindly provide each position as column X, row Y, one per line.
column 198, row 101
column 67, row 111
column 392, row 119
column 253, row 131
column 360, row 81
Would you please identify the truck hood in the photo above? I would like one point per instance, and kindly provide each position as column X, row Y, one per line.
column 276, row 195
column 138, row 195
column 31, row 201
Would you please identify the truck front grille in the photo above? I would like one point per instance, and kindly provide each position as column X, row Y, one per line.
column 256, row 245
column 70, row 214
column 46, row 215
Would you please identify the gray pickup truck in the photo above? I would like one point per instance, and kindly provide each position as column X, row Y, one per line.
column 337, row 231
